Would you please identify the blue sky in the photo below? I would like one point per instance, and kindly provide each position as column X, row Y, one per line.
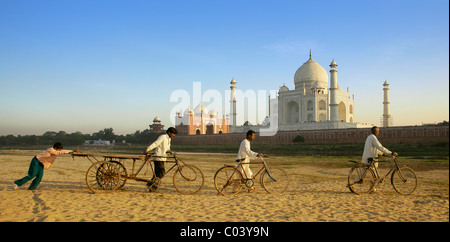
column 88, row 65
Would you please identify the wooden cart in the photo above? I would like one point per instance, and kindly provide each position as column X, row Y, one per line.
column 108, row 173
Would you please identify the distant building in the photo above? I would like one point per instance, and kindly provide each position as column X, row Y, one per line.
column 97, row 142
column 201, row 121
column 156, row 127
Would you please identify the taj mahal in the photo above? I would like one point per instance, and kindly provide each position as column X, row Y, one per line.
column 314, row 104
column 311, row 101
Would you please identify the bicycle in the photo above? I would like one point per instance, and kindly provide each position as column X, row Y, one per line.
column 229, row 180
column 363, row 178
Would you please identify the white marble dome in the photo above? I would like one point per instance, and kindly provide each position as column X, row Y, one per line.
column 310, row 75
column 200, row 109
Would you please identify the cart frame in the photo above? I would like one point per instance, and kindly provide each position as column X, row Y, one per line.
column 109, row 174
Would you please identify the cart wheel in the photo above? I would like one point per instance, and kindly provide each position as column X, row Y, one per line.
column 103, row 176
column 123, row 173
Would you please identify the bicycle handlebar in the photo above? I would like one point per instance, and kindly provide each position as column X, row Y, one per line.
column 392, row 154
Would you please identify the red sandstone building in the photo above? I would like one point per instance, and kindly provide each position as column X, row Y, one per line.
column 201, row 121
column 156, row 127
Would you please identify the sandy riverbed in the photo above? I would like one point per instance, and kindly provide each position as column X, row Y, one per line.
column 316, row 193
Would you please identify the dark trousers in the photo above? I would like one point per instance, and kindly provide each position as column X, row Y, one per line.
column 160, row 171
column 36, row 170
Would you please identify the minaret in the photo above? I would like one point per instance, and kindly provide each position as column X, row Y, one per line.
column 386, row 106
column 334, row 111
column 233, row 103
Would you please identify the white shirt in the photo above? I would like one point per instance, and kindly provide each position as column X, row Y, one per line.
column 372, row 148
column 244, row 151
column 162, row 145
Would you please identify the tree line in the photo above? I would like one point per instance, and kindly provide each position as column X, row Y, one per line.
column 77, row 138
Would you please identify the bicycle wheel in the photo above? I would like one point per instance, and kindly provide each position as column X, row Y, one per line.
column 404, row 180
column 188, row 179
column 361, row 180
column 123, row 173
column 227, row 180
column 103, row 176
column 274, row 180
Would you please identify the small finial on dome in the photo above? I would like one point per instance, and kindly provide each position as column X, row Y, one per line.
column 309, row 53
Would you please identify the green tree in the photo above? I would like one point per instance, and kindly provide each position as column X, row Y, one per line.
column 105, row 134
